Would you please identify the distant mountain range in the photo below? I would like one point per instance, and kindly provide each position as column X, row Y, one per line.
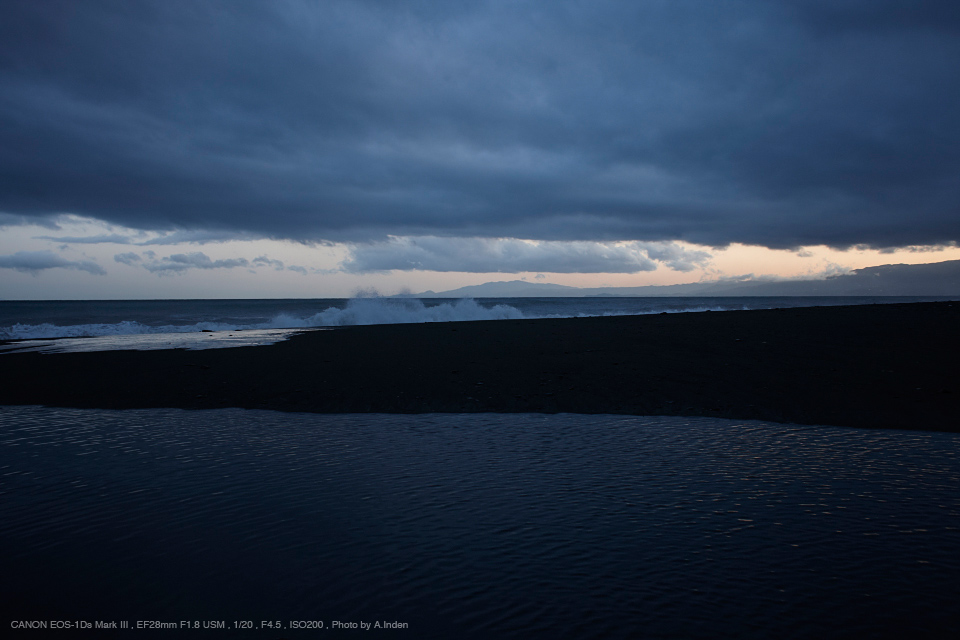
column 935, row 279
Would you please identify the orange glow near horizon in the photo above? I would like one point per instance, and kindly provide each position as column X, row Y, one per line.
column 743, row 260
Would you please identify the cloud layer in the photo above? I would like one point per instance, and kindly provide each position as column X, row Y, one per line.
column 480, row 255
column 784, row 124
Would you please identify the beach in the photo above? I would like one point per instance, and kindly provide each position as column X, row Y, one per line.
column 874, row 366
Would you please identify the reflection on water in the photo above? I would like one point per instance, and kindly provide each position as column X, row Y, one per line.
column 480, row 525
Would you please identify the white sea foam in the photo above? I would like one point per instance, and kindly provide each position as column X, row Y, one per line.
column 192, row 341
column 407, row 310
column 124, row 328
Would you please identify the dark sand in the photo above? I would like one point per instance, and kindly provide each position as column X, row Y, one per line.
column 881, row 366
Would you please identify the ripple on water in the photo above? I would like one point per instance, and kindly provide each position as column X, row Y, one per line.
column 481, row 525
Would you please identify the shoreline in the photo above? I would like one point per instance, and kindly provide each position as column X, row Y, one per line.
column 875, row 366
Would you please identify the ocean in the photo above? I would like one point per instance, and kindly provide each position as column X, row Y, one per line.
column 269, row 525
column 200, row 324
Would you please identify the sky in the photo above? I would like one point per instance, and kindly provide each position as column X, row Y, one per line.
column 313, row 149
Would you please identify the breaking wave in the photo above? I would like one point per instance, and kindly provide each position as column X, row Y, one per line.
column 358, row 311
column 403, row 311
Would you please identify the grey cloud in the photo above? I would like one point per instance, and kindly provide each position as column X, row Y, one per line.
column 128, row 258
column 277, row 265
column 777, row 123
column 677, row 257
column 265, row 261
column 180, row 262
column 36, row 261
column 482, row 255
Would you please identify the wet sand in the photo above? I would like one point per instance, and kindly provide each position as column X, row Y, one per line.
column 876, row 366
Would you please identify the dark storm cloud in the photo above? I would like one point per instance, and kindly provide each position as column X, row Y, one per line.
column 776, row 123
column 8, row 220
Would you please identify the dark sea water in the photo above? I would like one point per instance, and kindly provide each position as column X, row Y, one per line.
column 94, row 325
column 478, row 526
